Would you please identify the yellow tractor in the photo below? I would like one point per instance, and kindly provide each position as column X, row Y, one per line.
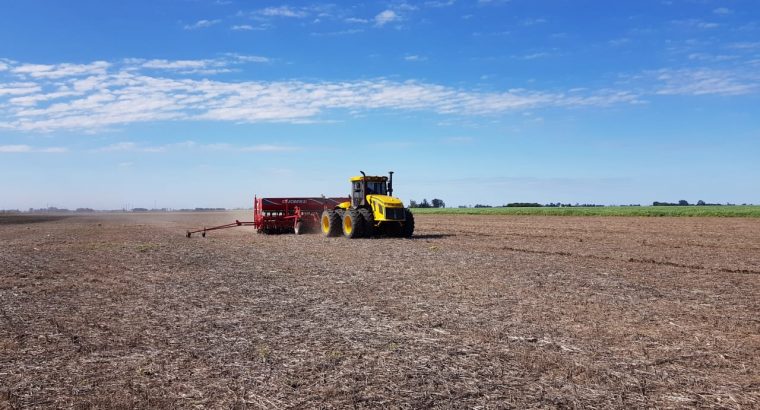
column 371, row 211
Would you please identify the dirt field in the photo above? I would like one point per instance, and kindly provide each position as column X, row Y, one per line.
column 506, row 311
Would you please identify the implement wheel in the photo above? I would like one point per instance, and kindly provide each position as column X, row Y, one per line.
column 353, row 224
column 330, row 223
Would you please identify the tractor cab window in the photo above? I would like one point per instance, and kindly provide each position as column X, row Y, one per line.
column 378, row 188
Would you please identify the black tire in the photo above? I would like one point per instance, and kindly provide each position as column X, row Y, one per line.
column 353, row 224
column 407, row 227
column 330, row 223
column 368, row 220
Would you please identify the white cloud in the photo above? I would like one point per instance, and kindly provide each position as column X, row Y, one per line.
column 533, row 22
column 61, row 70
column 27, row 149
column 204, row 66
column 337, row 33
column 269, row 148
column 242, row 27
column 119, row 146
column 745, row 45
column 19, row 88
column 705, row 82
column 533, row 56
column 54, row 150
column 696, row 24
column 248, row 59
column 156, row 90
column 356, row 20
column 15, row 148
column 415, row 57
column 177, row 64
column 283, row 11
column 722, row 11
column 440, row 3
column 202, row 24
column 185, row 145
column 385, row 17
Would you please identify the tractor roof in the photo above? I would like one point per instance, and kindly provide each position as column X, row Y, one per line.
column 370, row 178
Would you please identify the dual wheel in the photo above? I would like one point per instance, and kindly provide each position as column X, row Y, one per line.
column 352, row 223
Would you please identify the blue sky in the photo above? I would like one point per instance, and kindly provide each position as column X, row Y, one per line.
column 200, row 103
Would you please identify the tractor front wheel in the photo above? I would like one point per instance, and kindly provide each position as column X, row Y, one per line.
column 368, row 220
column 407, row 227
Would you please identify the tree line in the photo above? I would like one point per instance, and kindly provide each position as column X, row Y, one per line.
column 435, row 203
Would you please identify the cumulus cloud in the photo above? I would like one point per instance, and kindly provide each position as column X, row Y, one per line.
column 242, row 27
column 385, row 17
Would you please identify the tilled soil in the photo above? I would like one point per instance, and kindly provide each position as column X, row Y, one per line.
column 123, row 311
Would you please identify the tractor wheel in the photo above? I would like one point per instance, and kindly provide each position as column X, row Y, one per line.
column 330, row 223
column 353, row 224
column 368, row 220
column 407, row 227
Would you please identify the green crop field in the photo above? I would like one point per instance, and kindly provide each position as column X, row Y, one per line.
column 748, row 211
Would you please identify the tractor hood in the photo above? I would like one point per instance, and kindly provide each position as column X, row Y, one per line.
column 386, row 201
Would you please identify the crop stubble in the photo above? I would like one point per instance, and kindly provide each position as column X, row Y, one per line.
column 495, row 311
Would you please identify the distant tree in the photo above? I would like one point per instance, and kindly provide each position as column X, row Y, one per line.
column 523, row 205
column 424, row 204
column 413, row 204
column 701, row 203
column 438, row 203
column 482, row 206
column 683, row 202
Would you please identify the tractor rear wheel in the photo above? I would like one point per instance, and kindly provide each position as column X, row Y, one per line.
column 353, row 224
column 407, row 227
column 330, row 223
column 368, row 220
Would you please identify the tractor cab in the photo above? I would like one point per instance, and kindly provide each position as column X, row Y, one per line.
column 361, row 186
